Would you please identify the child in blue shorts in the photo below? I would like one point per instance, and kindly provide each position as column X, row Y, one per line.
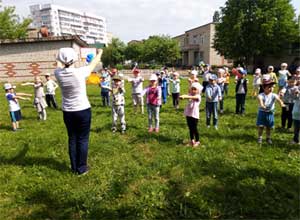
column 265, row 117
column 14, row 107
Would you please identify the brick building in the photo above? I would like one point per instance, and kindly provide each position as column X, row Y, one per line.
column 23, row 59
column 197, row 45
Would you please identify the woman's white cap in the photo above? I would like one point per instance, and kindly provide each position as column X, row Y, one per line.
column 176, row 74
column 153, row 77
column 67, row 55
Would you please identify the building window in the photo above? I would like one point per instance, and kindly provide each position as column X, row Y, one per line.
column 201, row 39
column 195, row 39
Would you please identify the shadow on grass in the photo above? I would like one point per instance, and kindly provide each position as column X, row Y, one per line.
column 52, row 208
column 22, row 160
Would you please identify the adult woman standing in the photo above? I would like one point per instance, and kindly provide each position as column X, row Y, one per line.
column 75, row 105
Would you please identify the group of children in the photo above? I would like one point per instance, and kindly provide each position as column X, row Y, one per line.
column 214, row 87
column 39, row 101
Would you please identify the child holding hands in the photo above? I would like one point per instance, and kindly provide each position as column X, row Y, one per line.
column 191, row 112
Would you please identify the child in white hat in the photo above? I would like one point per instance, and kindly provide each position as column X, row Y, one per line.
column 175, row 87
column 14, row 107
column 213, row 96
column 256, row 82
column 191, row 112
column 137, row 89
column 265, row 116
column 153, row 100
column 51, row 86
column 39, row 97
column 283, row 75
column 193, row 78
column 118, row 104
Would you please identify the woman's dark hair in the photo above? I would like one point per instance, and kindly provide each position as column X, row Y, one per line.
column 67, row 65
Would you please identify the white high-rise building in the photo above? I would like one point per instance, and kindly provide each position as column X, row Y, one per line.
column 63, row 21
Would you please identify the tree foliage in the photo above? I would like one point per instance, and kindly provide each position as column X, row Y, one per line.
column 250, row 28
column 155, row 50
column 134, row 51
column 10, row 25
column 161, row 50
column 114, row 53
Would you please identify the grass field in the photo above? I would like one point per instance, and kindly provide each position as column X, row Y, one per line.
column 148, row 176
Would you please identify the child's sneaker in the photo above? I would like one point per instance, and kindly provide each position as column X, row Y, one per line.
column 208, row 126
column 123, row 131
column 259, row 140
column 196, row 144
column 150, row 130
column 269, row 141
column 156, row 130
column 216, row 127
column 114, row 130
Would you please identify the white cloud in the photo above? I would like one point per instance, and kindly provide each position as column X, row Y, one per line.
column 138, row 19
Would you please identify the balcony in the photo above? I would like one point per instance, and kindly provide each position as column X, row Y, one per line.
column 190, row 47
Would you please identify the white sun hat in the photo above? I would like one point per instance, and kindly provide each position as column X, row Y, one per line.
column 153, row 77
column 67, row 55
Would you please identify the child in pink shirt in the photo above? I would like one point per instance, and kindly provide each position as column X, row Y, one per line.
column 191, row 112
column 153, row 97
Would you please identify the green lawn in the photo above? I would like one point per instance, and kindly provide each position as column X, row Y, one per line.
column 148, row 176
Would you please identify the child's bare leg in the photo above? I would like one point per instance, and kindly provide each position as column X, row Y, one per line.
column 14, row 125
column 44, row 114
column 268, row 133
column 17, row 124
column 260, row 133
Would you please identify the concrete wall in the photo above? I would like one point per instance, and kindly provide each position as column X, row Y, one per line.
column 22, row 61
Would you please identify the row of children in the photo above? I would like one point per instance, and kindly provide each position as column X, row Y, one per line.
column 214, row 91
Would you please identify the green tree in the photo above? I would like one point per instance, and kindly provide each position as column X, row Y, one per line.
column 113, row 54
column 255, row 28
column 216, row 17
column 10, row 25
column 134, row 51
column 161, row 50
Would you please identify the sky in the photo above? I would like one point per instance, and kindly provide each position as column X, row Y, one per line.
column 139, row 19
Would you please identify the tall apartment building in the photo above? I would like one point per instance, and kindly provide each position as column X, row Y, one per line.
column 63, row 21
column 196, row 45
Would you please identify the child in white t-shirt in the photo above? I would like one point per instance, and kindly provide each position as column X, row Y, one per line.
column 51, row 86
column 39, row 97
column 265, row 116
column 283, row 75
column 137, row 89
column 256, row 82
column 175, row 89
column 14, row 107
